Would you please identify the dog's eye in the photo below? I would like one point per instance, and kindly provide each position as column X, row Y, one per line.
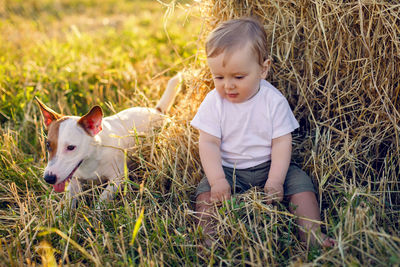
column 48, row 146
column 71, row 147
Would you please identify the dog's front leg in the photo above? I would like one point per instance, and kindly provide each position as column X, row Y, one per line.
column 74, row 188
column 110, row 190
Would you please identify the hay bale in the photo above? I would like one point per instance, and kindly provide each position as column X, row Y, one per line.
column 337, row 64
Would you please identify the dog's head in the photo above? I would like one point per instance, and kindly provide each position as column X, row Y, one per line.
column 68, row 142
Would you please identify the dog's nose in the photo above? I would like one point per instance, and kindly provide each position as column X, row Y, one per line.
column 50, row 178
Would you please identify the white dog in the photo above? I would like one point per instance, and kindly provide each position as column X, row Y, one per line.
column 92, row 147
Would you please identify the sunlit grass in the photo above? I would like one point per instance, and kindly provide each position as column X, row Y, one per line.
column 91, row 54
column 73, row 54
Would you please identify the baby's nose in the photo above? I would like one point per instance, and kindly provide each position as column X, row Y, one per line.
column 229, row 84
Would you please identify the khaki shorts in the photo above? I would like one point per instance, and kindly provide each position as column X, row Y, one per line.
column 296, row 180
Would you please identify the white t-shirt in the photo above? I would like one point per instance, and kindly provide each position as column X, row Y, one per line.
column 246, row 129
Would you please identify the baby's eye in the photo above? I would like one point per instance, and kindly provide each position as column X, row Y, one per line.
column 239, row 77
column 218, row 77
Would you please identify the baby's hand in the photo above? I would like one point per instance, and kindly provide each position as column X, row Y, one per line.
column 220, row 191
column 274, row 191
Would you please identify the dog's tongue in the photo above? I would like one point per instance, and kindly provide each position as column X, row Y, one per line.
column 60, row 187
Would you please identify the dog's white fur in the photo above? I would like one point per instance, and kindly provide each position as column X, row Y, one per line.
column 92, row 147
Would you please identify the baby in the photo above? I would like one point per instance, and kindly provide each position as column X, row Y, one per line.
column 245, row 127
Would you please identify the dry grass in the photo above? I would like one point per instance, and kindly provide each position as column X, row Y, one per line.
column 335, row 62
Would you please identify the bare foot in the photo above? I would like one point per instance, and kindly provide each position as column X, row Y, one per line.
column 205, row 211
column 209, row 232
column 305, row 206
column 207, row 241
column 327, row 242
column 322, row 240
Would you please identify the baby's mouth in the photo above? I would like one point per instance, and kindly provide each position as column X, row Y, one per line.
column 232, row 95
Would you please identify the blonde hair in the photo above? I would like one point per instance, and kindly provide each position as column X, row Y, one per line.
column 236, row 33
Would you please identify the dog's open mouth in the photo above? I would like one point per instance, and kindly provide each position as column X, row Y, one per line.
column 61, row 186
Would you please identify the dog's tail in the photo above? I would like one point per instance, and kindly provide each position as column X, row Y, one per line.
column 173, row 87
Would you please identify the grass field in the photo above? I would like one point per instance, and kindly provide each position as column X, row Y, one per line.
column 117, row 54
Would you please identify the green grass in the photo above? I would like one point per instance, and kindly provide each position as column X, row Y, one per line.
column 117, row 54
column 82, row 53
column 72, row 55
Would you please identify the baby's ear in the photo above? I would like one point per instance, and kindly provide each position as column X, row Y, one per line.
column 266, row 66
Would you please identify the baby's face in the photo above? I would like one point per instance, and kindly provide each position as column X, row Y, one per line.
column 237, row 75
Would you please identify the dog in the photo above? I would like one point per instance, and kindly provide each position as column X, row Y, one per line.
column 91, row 147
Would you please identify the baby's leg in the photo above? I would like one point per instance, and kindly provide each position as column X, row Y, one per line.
column 204, row 209
column 305, row 206
column 205, row 213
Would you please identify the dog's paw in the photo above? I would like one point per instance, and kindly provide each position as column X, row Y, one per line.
column 100, row 205
column 66, row 212
column 73, row 204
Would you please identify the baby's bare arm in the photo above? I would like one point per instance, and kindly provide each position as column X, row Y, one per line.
column 281, row 153
column 210, row 156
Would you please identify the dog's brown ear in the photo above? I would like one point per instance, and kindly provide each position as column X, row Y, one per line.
column 91, row 122
column 49, row 115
